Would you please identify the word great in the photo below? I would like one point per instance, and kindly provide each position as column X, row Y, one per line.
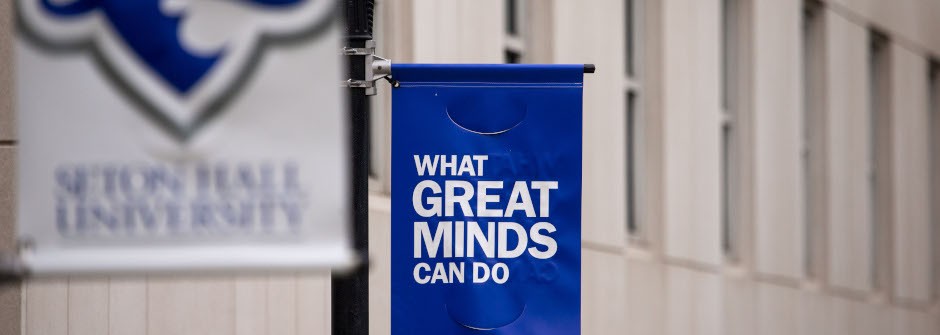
column 461, row 238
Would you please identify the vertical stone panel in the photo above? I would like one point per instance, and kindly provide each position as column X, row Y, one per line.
column 583, row 33
column 915, row 20
column 840, row 317
column 779, row 223
column 814, row 314
column 740, row 297
column 871, row 319
column 847, row 141
column 910, row 322
column 692, row 130
column 778, row 309
column 127, row 306
column 47, row 307
column 88, row 309
column 282, row 304
column 313, row 304
column 204, row 305
column 910, row 155
column 693, row 302
column 479, row 25
column 450, row 31
column 646, row 309
column 603, row 294
column 251, row 305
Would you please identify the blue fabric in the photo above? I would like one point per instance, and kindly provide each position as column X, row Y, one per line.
column 527, row 120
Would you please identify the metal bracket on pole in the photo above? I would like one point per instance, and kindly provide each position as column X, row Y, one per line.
column 376, row 67
column 12, row 266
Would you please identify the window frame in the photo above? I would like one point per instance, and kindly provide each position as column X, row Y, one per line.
column 933, row 109
column 735, row 103
column 880, row 185
column 729, row 145
column 514, row 41
column 634, row 29
column 814, row 132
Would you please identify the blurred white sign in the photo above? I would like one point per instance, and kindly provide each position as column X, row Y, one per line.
column 181, row 135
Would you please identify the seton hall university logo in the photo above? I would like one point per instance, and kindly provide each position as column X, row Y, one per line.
column 180, row 61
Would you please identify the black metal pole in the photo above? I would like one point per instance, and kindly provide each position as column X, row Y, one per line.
column 350, row 292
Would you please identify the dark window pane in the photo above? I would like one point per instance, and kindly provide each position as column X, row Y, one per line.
column 629, row 25
column 933, row 86
column 729, row 71
column 812, row 95
column 729, row 47
column 879, row 151
column 512, row 10
column 727, row 231
column 632, row 226
column 934, row 105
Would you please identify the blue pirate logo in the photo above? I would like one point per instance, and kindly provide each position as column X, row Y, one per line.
column 181, row 60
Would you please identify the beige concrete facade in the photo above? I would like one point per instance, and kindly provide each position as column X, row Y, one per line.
column 848, row 261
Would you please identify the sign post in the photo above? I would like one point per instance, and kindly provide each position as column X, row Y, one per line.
column 350, row 291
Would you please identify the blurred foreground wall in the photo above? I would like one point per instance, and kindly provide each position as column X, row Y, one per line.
column 750, row 167
column 10, row 291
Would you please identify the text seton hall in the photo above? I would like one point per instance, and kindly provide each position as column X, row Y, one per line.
column 200, row 199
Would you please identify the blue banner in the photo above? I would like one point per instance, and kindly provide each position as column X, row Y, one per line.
column 486, row 199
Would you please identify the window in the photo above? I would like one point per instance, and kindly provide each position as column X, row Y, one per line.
column 727, row 188
column 629, row 40
column 880, row 157
column 729, row 132
column 633, row 117
column 631, row 157
column 512, row 19
column 514, row 34
column 813, row 133
column 934, row 134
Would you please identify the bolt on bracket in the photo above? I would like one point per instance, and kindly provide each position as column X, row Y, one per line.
column 376, row 67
